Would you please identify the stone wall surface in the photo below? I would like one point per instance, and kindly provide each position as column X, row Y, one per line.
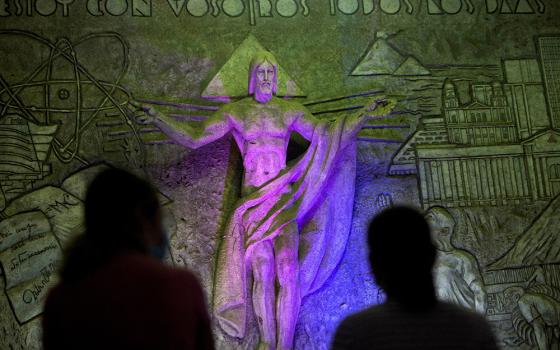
column 475, row 131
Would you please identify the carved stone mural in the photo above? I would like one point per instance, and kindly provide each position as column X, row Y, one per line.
column 269, row 172
column 291, row 224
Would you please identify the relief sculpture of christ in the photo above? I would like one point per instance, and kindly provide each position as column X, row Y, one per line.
column 288, row 231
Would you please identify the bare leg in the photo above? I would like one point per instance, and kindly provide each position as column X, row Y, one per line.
column 262, row 264
column 289, row 298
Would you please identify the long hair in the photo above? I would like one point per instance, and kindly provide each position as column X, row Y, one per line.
column 117, row 203
column 260, row 58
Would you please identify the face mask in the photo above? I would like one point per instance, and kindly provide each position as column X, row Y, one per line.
column 158, row 251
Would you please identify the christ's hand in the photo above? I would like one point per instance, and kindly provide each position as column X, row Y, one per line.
column 143, row 113
column 381, row 108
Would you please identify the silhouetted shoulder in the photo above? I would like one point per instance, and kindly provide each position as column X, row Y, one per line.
column 392, row 326
column 186, row 280
column 459, row 314
column 173, row 280
column 133, row 298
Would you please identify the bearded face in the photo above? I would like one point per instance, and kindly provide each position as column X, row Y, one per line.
column 264, row 81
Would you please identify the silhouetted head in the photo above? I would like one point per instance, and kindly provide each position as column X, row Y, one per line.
column 442, row 225
column 122, row 214
column 263, row 80
column 122, row 210
column 402, row 255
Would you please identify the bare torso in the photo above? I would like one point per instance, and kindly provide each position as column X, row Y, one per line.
column 262, row 133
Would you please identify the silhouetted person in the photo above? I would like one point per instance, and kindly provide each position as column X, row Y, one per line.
column 402, row 256
column 115, row 293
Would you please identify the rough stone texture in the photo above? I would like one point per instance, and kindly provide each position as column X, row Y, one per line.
column 14, row 336
column 203, row 184
column 173, row 58
column 195, row 181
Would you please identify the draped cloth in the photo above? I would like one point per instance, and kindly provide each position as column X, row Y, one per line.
column 316, row 193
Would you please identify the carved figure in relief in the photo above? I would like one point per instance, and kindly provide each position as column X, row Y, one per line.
column 457, row 274
column 289, row 229
column 536, row 313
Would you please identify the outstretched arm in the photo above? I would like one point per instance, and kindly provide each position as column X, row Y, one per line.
column 381, row 107
column 304, row 123
column 213, row 128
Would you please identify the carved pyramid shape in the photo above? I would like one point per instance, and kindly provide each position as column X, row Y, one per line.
column 232, row 79
column 506, row 8
column 381, row 58
column 411, row 66
column 523, row 6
